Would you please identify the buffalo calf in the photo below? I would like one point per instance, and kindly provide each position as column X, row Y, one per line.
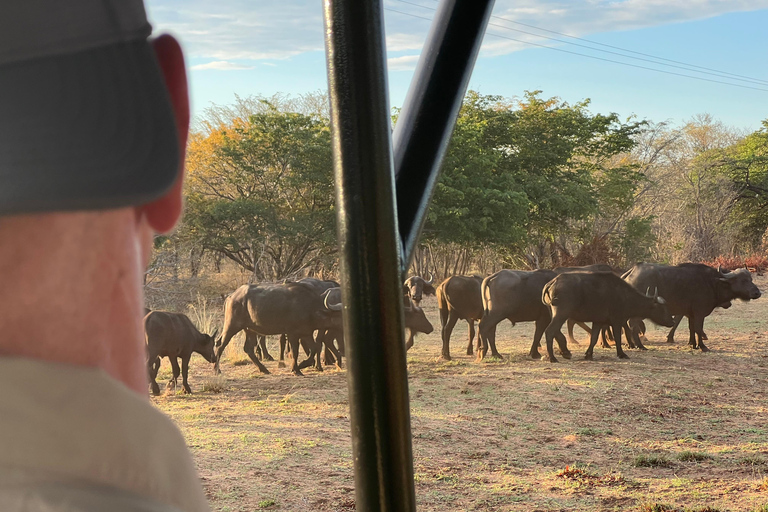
column 173, row 335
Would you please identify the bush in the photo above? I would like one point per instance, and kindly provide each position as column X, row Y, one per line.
column 757, row 263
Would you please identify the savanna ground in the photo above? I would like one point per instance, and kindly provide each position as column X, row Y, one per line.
column 668, row 429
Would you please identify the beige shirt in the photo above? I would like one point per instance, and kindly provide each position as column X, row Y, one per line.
column 75, row 439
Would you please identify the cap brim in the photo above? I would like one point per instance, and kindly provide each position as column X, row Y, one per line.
column 89, row 130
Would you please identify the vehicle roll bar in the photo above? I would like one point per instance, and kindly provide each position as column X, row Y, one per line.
column 381, row 201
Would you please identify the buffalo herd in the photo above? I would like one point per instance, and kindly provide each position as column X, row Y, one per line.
column 306, row 314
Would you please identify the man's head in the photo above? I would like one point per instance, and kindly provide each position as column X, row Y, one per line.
column 85, row 119
column 93, row 125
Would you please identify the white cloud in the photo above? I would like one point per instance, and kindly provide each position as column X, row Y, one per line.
column 405, row 63
column 585, row 17
column 221, row 65
column 227, row 30
column 400, row 42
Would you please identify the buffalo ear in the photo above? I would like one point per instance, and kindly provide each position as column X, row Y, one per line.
column 406, row 289
column 429, row 289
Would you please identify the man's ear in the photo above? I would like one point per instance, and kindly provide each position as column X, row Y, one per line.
column 163, row 213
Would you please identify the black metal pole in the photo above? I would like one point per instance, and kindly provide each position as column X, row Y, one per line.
column 429, row 113
column 369, row 256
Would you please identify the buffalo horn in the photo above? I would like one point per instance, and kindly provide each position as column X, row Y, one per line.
column 431, row 278
column 332, row 307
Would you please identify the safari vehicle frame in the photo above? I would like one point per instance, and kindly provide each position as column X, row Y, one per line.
column 384, row 182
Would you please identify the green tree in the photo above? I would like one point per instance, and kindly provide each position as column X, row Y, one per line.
column 746, row 164
column 260, row 192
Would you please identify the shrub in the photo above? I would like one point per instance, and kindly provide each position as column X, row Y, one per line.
column 757, row 263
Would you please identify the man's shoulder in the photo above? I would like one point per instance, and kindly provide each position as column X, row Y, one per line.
column 74, row 424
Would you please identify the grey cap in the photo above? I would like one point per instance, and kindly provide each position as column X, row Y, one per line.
column 85, row 117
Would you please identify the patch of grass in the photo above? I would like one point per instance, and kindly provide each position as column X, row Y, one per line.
column 267, row 503
column 657, row 507
column 762, row 508
column 214, row 385
column 241, row 362
column 582, row 476
column 663, row 507
column 752, row 460
column 589, row 431
column 689, row 456
column 651, row 460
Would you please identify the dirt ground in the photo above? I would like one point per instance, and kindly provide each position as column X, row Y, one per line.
column 668, row 429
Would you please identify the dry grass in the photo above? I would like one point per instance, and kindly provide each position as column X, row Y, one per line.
column 496, row 436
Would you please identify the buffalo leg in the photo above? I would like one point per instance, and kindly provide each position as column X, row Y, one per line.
column 331, row 352
column 692, row 337
column 176, row 371
column 635, row 329
column 248, row 347
column 311, row 345
column 281, row 362
column 551, row 331
column 569, row 325
column 328, row 357
column 592, row 341
column 541, row 325
column 562, row 345
column 226, row 336
column 293, row 342
column 445, row 333
column 698, row 327
column 184, row 374
column 492, row 345
column 605, row 335
column 487, row 330
column 671, row 334
column 471, row 323
column 153, row 365
column 263, row 347
column 631, row 341
column 616, row 328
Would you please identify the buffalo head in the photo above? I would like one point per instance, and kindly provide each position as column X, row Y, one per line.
column 415, row 319
column 659, row 313
column 415, row 286
column 739, row 285
column 206, row 348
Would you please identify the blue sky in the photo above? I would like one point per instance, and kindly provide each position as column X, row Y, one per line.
column 248, row 47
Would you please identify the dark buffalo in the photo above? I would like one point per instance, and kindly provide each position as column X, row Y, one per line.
column 693, row 290
column 602, row 298
column 459, row 298
column 416, row 287
column 320, row 285
column 173, row 335
column 596, row 267
column 293, row 309
column 516, row 296
column 415, row 321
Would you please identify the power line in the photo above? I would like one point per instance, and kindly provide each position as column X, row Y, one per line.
column 682, row 65
column 594, row 57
